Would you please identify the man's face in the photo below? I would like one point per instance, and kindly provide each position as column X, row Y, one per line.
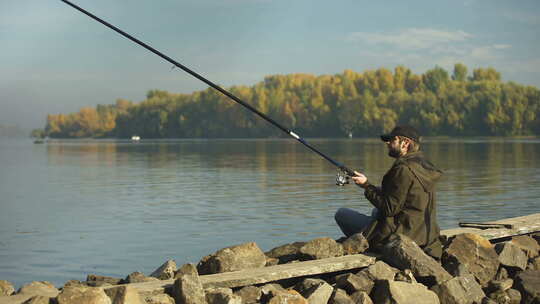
column 396, row 148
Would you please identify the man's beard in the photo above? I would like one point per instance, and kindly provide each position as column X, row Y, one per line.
column 394, row 152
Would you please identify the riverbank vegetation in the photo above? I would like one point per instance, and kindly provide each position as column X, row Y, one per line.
column 351, row 103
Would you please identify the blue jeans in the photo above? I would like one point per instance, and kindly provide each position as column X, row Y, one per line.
column 352, row 222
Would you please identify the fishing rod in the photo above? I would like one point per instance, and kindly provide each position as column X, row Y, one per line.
column 343, row 175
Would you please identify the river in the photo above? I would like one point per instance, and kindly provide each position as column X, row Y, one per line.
column 75, row 207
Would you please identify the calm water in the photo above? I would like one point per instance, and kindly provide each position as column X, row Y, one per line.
column 72, row 208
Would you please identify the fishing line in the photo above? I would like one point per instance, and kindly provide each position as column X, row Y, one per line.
column 342, row 177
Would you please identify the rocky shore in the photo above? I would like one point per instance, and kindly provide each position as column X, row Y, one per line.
column 472, row 270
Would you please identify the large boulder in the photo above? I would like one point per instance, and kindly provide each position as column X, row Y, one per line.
column 528, row 283
column 534, row 264
column 321, row 248
column 161, row 298
column 315, row 291
column 42, row 288
column 459, row 290
column 288, row 297
column 6, row 288
column 379, row 271
column 393, row 292
column 222, row 296
column 165, row 271
column 361, row 297
column 95, row 280
column 511, row 255
column 124, row 294
column 37, row 300
column 473, row 252
column 353, row 283
column 286, row 253
column 138, row 277
column 83, row 295
column 187, row 288
column 527, row 244
column 340, row 296
column 356, row 243
column 240, row 257
column 404, row 253
column 510, row 296
column 502, row 285
column 249, row 294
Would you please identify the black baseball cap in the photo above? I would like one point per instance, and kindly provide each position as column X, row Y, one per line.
column 406, row 131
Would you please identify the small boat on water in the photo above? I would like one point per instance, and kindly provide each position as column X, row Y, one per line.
column 39, row 141
column 135, row 138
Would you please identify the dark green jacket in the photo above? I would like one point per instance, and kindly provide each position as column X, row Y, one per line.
column 406, row 204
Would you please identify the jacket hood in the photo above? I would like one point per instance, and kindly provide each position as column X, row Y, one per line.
column 423, row 169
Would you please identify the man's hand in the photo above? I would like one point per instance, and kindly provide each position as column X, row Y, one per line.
column 360, row 179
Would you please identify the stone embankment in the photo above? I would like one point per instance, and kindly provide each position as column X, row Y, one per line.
column 320, row 271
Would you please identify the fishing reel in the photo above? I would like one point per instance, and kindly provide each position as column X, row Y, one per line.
column 342, row 178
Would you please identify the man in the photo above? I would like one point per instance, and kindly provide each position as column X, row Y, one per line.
column 405, row 203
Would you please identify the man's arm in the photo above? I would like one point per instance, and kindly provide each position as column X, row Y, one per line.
column 390, row 198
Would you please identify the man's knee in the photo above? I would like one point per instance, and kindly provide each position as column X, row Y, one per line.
column 340, row 213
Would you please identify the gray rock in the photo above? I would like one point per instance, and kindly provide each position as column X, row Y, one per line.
column 475, row 253
column 165, row 271
column 74, row 283
column 459, row 290
column 42, row 288
column 514, row 295
column 249, row 294
column 340, row 296
column 138, row 277
column 392, row 292
column 380, row 271
column 502, row 285
column 288, row 297
column 315, row 291
column 536, row 237
column 83, row 295
column 404, row 253
column 458, row 270
column 352, row 283
column 502, row 274
column 286, row 253
column 534, row 264
column 98, row 280
column 189, row 269
column 528, row 283
column 159, row 299
column 38, row 300
column 511, row 255
column 270, row 290
column 527, row 244
column 354, row 244
column 240, row 257
column 405, row 276
column 271, row 261
column 6, row 288
column 124, row 294
column 321, row 248
column 499, row 296
column 222, row 296
column 361, row 297
column 487, row 300
column 187, row 289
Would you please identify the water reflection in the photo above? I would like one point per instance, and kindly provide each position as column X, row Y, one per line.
column 113, row 207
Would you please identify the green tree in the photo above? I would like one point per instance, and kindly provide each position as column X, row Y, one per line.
column 460, row 72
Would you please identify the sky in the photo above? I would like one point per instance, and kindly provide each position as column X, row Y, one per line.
column 54, row 59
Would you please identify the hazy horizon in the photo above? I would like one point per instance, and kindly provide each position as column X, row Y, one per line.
column 56, row 60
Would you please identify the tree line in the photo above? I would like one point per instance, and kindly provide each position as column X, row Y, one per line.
column 359, row 104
